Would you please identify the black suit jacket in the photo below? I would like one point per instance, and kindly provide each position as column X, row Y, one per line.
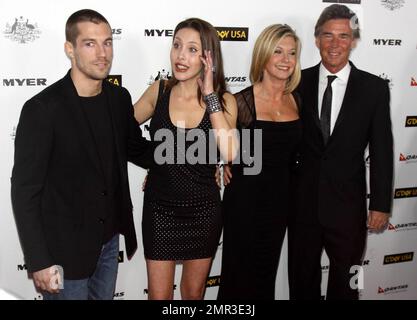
column 58, row 187
column 332, row 183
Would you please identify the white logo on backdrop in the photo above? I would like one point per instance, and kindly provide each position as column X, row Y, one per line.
column 22, row 31
column 13, row 134
column 161, row 75
column 392, row 4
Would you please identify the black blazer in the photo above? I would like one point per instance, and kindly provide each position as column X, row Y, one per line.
column 331, row 181
column 58, row 188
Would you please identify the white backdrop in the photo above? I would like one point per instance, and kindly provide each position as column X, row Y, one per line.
column 31, row 42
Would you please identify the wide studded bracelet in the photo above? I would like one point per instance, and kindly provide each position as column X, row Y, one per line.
column 212, row 103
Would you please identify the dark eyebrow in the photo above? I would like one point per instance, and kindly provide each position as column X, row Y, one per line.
column 95, row 40
column 192, row 42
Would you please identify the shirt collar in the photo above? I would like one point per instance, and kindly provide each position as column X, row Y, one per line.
column 342, row 75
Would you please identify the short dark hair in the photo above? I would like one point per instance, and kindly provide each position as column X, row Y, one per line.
column 338, row 11
column 84, row 15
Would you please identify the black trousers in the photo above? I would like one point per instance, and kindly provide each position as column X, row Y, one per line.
column 343, row 245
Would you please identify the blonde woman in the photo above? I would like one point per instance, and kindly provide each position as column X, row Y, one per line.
column 255, row 207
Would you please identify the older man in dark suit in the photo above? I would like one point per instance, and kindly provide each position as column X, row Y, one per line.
column 344, row 110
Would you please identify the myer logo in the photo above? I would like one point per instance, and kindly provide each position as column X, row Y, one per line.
column 30, row 82
column 402, row 226
column 21, row 267
column 395, row 289
column 405, row 193
column 411, row 121
column 22, row 30
column 159, row 32
column 387, row 42
column 399, row 257
column 408, row 158
column 213, row 281
column 413, row 82
column 232, row 34
column 392, row 4
column 115, row 79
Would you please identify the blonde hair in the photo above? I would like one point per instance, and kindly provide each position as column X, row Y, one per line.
column 265, row 46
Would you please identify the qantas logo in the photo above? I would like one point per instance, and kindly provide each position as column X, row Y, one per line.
column 402, row 226
column 394, row 289
column 408, row 158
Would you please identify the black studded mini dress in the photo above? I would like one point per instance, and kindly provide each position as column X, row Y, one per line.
column 182, row 208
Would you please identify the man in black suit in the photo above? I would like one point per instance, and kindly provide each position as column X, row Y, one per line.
column 344, row 109
column 70, row 189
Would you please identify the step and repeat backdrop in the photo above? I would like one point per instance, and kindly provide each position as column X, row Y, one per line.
column 32, row 57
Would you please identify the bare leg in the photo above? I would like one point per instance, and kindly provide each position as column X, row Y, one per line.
column 194, row 276
column 160, row 279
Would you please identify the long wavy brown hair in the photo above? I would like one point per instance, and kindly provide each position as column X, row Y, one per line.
column 209, row 41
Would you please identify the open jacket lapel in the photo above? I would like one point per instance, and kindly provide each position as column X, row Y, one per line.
column 348, row 100
column 113, row 103
column 309, row 93
column 314, row 96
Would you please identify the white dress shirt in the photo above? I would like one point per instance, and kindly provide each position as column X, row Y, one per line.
column 338, row 89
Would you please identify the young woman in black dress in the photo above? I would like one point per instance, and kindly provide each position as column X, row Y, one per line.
column 182, row 210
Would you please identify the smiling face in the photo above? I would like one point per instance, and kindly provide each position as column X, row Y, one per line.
column 282, row 62
column 185, row 54
column 92, row 55
column 335, row 42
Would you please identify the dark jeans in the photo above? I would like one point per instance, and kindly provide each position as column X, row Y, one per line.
column 101, row 285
